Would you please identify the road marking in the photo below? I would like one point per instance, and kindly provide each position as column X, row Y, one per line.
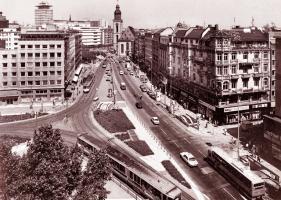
column 206, row 196
column 202, row 153
column 163, row 131
column 229, row 193
column 176, row 144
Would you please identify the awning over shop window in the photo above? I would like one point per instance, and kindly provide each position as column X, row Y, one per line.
column 9, row 93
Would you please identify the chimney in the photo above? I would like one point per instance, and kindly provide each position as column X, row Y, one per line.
column 216, row 27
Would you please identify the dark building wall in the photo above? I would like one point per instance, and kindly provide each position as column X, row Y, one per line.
column 278, row 78
column 4, row 23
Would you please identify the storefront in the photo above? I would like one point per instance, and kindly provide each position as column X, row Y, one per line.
column 9, row 97
column 206, row 110
column 193, row 103
column 231, row 114
column 183, row 99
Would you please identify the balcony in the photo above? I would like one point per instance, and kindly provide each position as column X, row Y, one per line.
column 235, row 76
column 256, row 60
column 245, row 75
column 235, row 61
column 218, row 62
column 247, row 90
column 257, row 74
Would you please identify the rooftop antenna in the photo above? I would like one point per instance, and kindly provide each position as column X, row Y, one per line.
column 253, row 22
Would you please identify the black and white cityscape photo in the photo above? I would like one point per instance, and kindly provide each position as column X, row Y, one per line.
column 140, row 100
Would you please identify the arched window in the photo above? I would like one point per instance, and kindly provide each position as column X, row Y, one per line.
column 225, row 85
column 117, row 28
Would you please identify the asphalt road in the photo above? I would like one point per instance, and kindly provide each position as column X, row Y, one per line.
column 175, row 139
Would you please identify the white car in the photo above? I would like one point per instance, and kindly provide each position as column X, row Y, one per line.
column 155, row 120
column 189, row 159
column 86, row 90
column 96, row 99
column 121, row 72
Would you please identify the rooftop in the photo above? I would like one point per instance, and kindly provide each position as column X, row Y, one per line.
column 196, row 33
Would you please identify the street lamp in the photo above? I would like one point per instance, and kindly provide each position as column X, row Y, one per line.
column 238, row 127
column 151, row 71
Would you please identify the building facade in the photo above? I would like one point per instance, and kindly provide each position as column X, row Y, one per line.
column 117, row 27
column 126, row 42
column 4, row 23
column 107, row 36
column 43, row 14
column 11, row 38
column 35, row 70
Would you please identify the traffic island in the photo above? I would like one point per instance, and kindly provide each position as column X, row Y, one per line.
column 172, row 170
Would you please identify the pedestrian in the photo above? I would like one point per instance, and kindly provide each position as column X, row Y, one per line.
column 259, row 159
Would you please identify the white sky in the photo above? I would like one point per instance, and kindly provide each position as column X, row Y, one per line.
column 154, row 13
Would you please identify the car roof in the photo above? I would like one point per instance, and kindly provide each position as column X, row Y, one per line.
column 154, row 117
column 186, row 154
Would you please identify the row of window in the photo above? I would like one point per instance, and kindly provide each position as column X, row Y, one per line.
column 233, row 83
column 224, row 70
column 30, row 83
column 38, row 46
column 31, row 64
column 44, row 73
column 40, row 91
column 225, row 56
column 36, row 55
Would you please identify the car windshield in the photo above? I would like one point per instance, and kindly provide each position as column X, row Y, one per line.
column 192, row 159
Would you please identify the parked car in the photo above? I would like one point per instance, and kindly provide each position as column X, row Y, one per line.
column 121, row 72
column 132, row 73
column 96, row 98
column 139, row 105
column 108, row 78
column 155, row 120
column 189, row 159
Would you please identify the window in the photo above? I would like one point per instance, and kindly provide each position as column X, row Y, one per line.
column 233, row 69
column 233, row 56
column 5, row 64
column 52, row 55
column 14, row 55
column 45, row 64
column 37, row 64
column 233, row 83
column 273, row 72
column 256, row 55
column 22, row 83
column 14, row 83
column 245, row 82
column 52, row 64
column 219, row 57
column 22, row 64
column 265, row 67
column 45, row 82
column 225, row 70
column 30, row 73
column 225, row 85
column 273, row 83
column 44, row 46
column 256, row 81
column 273, row 52
column 52, row 82
column 245, row 70
column 59, row 73
column 29, row 82
column 52, row 46
column 14, row 73
column 22, row 46
column 58, row 55
column 22, row 55
column 265, row 55
column 37, row 55
column 45, row 55
column 5, row 83
column 219, row 70
column 4, row 73
column 37, row 82
column 37, row 73
column 256, row 69
column 37, row 46
column 22, row 74
column 29, row 55
column 52, row 73
column 29, row 46
column 273, row 62
column 245, row 55
column 265, row 82
column 225, row 56
column 58, row 46
column 122, row 48
column 5, row 56
column 58, row 63
column 58, row 82
column 273, row 93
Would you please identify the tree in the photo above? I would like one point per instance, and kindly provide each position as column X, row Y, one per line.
column 97, row 172
column 49, row 170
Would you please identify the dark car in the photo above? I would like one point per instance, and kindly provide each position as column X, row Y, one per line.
column 139, row 105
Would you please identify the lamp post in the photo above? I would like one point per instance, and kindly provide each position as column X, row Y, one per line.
column 151, row 71
column 238, row 127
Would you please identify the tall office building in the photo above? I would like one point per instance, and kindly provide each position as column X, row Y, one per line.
column 43, row 14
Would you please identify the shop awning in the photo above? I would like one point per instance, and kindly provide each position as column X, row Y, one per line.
column 9, row 93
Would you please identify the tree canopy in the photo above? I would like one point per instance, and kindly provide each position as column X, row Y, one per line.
column 52, row 170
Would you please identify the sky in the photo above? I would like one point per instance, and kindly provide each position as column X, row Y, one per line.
column 154, row 13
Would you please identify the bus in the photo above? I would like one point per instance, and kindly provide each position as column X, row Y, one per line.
column 146, row 182
column 123, row 86
column 79, row 70
column 247, row 183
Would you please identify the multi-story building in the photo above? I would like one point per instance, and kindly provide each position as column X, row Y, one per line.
column 148, row 50
column 272, row 123
column 35, row 70
column 91, row 36
column 117, row 27
column 139, row 48
column 11, row 37
column 4, row 23
column 107, row 36
column 43, row 14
